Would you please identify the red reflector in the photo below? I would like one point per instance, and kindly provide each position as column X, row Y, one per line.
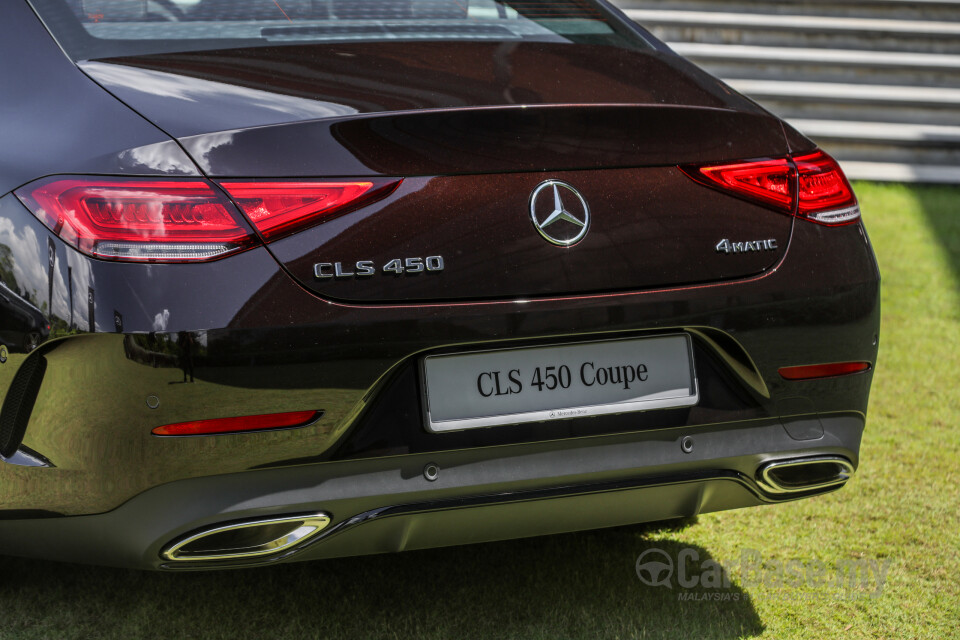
column 825, row 196
column 809, row 372
column 243, row 423
column 139, row 219
column 278, row 209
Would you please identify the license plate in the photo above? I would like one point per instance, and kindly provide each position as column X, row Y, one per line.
column 536, row 384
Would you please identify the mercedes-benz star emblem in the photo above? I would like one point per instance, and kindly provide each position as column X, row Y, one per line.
column 559, row 213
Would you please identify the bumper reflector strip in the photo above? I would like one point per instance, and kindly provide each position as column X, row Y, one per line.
column 813, row 371
column 242, row 424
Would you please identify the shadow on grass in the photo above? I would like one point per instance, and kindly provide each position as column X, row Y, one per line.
column 581, row 585
column 941, row 207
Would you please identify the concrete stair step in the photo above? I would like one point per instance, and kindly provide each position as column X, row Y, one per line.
column 877, row 34
column 718, row 19
column 939, row 97
column 824, row 65
column 883, row 152
column 895, row 133
column 899, row 9
column 900, row 172
column 863, row 112
column 833, row 74
column 825, row 57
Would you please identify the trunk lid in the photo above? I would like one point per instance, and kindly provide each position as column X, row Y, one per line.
column 648, row 228
column 476, row 132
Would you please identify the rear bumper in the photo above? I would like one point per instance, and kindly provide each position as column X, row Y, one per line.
column 386, row 504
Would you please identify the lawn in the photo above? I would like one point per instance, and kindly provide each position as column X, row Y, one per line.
column 899, row 516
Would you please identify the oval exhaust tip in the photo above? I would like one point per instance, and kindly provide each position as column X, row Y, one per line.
column 805, row 474
column 247, row 539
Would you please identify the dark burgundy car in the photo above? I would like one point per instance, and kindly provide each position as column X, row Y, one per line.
column 338, row 277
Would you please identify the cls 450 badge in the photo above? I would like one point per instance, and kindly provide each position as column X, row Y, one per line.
column 367, row 268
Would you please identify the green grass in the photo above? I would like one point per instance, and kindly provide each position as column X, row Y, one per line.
column 902, row 508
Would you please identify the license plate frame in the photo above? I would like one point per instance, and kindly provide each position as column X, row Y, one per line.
column 439, row 369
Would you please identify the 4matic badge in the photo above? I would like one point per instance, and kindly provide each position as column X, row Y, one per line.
column 726, row 246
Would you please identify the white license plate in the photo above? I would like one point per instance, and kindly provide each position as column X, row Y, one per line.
column 513, row 386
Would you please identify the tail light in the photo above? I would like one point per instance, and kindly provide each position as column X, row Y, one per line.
column 136, row 219
column 772, row 182
column 811, row 187
column 171, row 220
column 824, row 195
column 278, row 209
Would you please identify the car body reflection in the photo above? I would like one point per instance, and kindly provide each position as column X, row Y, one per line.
column 23, row 327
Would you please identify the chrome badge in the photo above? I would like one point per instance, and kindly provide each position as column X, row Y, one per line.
column 726, row 246
column 559, row 213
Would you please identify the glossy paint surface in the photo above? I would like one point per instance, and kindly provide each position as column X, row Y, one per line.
column 438, row 108
column 489, row 140
column 93, row 132
column 649, row 228
column 191, row 93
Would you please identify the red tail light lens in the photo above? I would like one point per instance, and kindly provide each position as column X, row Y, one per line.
column 825, row 196
column 768, row 181
column 138, row 219
column 278, row 209
column 812, row 187
column 265, row 422
column 813, row 371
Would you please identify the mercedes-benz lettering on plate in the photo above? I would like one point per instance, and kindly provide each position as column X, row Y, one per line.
column 297, row 280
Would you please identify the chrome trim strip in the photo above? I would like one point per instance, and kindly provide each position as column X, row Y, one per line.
column 303, row 528
column 773, row 486
column 27, row 457
column 838, row 215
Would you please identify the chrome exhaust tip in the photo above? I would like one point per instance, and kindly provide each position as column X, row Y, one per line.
column 804, row 474
column 247, row 539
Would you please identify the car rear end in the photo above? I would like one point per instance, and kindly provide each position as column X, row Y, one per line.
column 509, row 271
